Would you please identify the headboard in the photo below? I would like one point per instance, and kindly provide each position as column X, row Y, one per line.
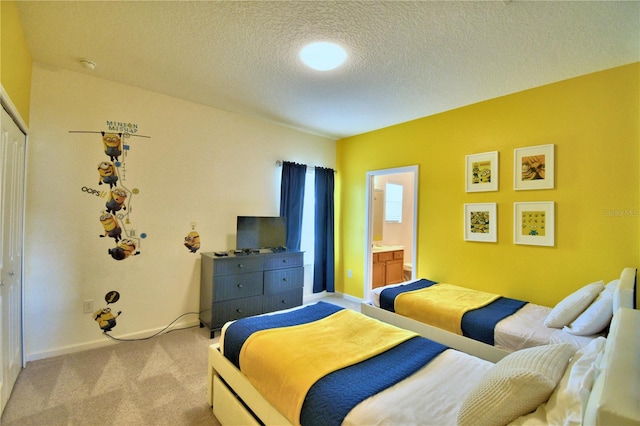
column 626, row 295
column 616, row 391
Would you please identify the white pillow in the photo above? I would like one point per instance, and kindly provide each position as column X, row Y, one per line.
column 595, row 318
column 573, row 305
column 515, row 386
column 567, row 402
column 611, row 286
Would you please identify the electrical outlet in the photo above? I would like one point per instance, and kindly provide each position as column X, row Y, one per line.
column 87, row 306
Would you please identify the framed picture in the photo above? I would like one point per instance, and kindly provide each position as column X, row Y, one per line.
column 481, row 222
column 533, row 167
column 534, row 223
column 482, row 172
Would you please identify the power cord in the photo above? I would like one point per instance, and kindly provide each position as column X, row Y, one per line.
column 158, row 333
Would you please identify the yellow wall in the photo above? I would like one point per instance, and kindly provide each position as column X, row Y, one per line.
column 593, row 122
column 15, row 62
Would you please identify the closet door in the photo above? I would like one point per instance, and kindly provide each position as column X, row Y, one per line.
column 12, row 177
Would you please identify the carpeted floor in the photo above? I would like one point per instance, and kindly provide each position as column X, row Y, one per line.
column 160, row 381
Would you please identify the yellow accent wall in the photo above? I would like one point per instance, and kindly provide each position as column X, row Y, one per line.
column 15, row 59
column 592, row 120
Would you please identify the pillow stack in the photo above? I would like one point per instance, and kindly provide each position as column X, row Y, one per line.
column 586, row 311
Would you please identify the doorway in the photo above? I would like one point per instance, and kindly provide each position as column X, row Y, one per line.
column 390, row 226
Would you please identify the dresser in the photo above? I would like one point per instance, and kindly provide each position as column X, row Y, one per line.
column 238, row 286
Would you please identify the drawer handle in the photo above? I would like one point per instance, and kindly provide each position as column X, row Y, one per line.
column 239, row 310
column 240, row 265
column 284, row 302
column 284, row 260
column 284, row 279
column 239, row 285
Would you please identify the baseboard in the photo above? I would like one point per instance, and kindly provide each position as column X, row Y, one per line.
column 104, row 341
column 311, row 298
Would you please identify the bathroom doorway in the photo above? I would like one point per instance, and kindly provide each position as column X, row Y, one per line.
column 390, row 226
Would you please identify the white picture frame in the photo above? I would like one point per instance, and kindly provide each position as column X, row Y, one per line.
column 534, row 223
column 534, row 167
column 481, row 172
column 481, row 222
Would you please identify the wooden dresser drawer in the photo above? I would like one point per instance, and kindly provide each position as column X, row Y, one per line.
column 283, row 280
column 398, row 254
column 237, row 264
column 236, row 309
column 284, row 300
column 384, row 256
column 283, row 260
column 238, row 285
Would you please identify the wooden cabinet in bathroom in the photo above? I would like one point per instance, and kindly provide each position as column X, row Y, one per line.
column 387, row 268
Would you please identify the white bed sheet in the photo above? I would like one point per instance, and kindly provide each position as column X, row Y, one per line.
column 524, row 329
column 431, row 396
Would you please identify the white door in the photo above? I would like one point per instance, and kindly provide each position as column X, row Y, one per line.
column 12, row 166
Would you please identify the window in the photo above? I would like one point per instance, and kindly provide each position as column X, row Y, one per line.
column 393, row 203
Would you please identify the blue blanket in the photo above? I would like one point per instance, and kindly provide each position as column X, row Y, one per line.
column 331, row 398
column 478, row 324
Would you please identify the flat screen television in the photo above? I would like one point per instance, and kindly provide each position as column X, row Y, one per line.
column 257, row 232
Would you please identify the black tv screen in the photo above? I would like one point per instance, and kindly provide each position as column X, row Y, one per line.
column 256, row 232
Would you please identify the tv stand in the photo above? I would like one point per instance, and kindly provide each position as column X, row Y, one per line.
column 242, row 285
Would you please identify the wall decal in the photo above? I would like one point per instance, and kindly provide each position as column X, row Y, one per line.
column 192, row 240
column 124, row 249
column 116, row 212
column 111, row 227
column 107, row 173
column 104, row 317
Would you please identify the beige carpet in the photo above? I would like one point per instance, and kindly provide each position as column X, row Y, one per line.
column 160, row 381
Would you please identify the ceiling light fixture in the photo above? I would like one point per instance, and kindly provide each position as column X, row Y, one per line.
column 87, row 64
column 323, row 55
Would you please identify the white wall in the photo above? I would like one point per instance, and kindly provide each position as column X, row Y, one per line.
column 199, row 165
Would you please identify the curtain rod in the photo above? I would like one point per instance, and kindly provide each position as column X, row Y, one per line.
column 279, row 164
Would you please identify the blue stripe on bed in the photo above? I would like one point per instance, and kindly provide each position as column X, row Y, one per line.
column 388, row 295
column 239, row 331
column 479, row 324
column 331, row 398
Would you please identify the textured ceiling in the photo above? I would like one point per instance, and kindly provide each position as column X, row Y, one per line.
column 406, row 59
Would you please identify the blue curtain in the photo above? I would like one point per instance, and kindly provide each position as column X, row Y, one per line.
column 292, row 201
column 323, row 270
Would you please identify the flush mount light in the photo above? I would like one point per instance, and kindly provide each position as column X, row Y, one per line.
column 323, row 55
column 87, row 64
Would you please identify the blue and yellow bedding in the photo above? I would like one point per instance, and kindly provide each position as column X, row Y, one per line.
column 468, row 312
column 341, row 358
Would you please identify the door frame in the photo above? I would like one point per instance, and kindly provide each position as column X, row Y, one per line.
column 5, row 101
column 368, row 229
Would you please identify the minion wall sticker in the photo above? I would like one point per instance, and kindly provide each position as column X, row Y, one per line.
column 108, row 175
column 104, row 317
column 116, row 209
column 192, row 240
